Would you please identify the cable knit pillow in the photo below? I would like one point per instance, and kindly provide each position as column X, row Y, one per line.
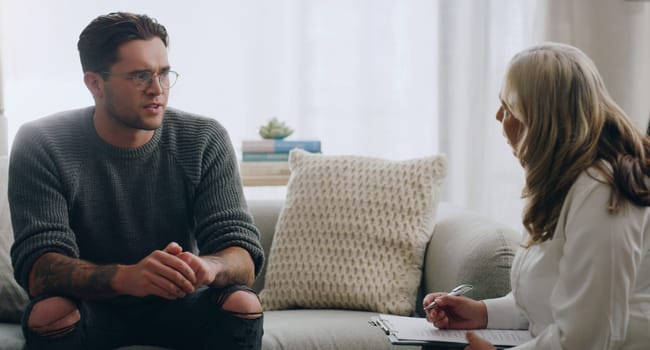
column 352, row 233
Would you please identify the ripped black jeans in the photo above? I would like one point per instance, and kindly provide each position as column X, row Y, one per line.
column 195, row 322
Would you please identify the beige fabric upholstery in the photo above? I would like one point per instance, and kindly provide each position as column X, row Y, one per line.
column 13, row 298
column 324, row 330
column 468, row 248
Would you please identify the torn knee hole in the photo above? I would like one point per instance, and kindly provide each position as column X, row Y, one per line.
column 56, row 333
column 248, row 315
column 53, row 317
column 242, row 303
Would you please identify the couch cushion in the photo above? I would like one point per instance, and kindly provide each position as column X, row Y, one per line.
column 352, row 233
column 323, row 330
column 12, row 295
column 11, row 336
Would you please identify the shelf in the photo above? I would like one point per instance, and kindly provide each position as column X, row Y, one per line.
column 265, row 180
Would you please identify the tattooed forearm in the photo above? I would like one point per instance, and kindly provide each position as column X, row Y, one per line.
column 238, row 267
column 55, row 273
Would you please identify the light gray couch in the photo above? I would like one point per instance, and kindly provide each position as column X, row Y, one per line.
column 464, row 248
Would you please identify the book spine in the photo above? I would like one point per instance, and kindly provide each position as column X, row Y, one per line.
column 252, row 168
column 286, row 146
column 265, row 180
column 264, row 157
column 280, row 146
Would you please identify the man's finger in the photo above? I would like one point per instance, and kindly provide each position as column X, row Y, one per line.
column 177, row 265
column 173, row 248
column 170, row 293
column 172, row 269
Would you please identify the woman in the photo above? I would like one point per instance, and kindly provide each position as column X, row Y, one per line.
column 581, row 279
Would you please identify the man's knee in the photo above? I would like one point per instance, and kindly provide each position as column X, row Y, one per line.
column 53, row 317
column 243, row 303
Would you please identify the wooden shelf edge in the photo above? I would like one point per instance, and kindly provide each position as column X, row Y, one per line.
column 279, row 180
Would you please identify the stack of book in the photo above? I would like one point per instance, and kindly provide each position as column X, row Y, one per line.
column 266, row 162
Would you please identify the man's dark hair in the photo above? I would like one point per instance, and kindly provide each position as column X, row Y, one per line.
column 100, row 40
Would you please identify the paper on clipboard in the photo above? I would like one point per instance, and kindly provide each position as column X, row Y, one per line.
column 414, row 330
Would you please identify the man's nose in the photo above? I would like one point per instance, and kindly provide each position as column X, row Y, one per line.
column 155, row 87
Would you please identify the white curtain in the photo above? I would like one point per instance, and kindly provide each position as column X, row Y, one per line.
column 4, row 143
column 477, row 39
column 395, row 79
column 616, row 35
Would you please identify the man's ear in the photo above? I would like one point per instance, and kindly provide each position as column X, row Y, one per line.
column 93, row 81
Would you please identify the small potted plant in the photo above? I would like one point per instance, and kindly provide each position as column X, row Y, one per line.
column 275, row 129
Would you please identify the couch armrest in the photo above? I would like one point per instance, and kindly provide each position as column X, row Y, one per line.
column 468, row 248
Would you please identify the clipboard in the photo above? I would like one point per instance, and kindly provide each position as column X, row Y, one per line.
column 402, row 330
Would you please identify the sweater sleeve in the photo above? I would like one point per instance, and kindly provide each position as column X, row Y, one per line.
column 39, row 207
column 504, row 314
column 220, row 209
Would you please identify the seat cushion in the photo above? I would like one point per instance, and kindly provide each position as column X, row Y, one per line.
column 323, row 330
column 11, row 336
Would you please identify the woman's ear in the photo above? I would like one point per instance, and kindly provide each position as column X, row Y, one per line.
column 93, row 81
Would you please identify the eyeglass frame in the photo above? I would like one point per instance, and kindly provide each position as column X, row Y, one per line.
column 145, row 83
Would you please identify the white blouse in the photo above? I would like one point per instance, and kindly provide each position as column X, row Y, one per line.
column 589, row 286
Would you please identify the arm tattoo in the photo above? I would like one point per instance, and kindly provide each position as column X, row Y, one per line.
column 237, row 267
column 55, row 273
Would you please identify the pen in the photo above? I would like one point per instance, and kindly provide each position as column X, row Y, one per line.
column 460, row 290
column 384, row 328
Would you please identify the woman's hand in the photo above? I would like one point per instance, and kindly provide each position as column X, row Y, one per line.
column 477, row 343
column 455, row 312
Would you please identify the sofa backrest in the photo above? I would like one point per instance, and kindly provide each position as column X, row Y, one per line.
column 465, row 248
column 265, row 215
column 13, row 298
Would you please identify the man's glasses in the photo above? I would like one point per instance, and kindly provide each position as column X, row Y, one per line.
column 143, row 79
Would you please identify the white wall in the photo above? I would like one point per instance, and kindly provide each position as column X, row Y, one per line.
column 42, row 67
column 243, row 62
column 359, row 75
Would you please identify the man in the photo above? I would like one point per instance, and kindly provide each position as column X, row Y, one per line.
column 129, row 217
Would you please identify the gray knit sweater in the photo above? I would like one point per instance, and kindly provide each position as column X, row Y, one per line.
column 72, row 193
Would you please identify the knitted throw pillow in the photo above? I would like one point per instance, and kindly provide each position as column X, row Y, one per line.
column 352, row 233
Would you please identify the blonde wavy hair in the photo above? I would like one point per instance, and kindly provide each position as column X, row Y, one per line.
column 570, row 123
